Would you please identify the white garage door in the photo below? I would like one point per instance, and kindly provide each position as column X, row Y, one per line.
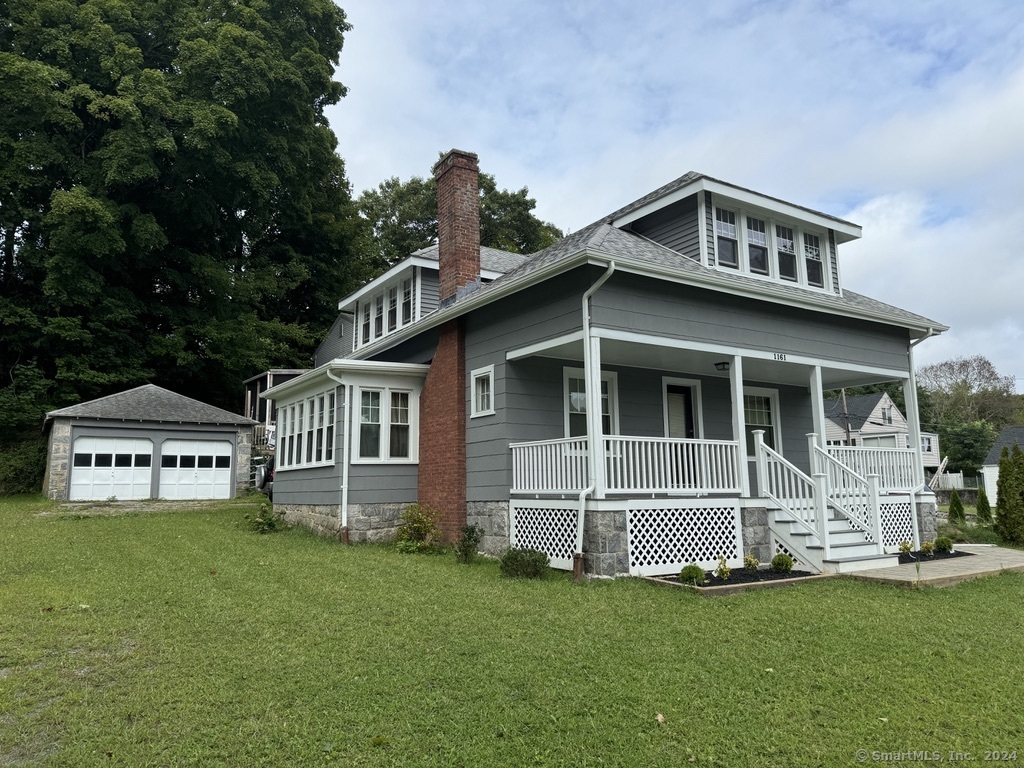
column 111, row 467
column 196, row 469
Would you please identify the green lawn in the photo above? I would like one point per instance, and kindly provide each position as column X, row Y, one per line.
column 183, row 639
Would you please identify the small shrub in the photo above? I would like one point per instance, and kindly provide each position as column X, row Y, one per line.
column 983, row 508
column 928, row 548
column 523, row 564
column 956, row 508
column 723, row 571
column 692, row 574
column 750, row 562
column 468, row 543
column 417, row 527
column 944, row 544
column 266, row 519
column 782, row 563
column 906, row 547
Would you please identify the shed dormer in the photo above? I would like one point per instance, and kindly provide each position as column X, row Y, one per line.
column 738, row 231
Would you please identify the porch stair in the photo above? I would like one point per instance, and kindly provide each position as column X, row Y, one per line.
column 849, row 551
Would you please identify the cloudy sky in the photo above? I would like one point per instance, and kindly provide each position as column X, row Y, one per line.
column 904, row 117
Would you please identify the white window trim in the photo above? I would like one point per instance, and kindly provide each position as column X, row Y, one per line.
column 290, row 440
column 487, row 372
column 383, row 293
column 743, row 247
column 698, row 405
column 613, row 396
column 773, row 396
column 385, row 425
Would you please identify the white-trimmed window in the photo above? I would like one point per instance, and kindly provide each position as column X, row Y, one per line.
column 482, row 387
column 757, row 245
column 887, row 414
column 390, row 308
column 812, row 258
column 386, row 429
column 306, row 432
column 785, row 249
column 761, row 411
column 575, row 389
column 926, row 443
column 727, row 247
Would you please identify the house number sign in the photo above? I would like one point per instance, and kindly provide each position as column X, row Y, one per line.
column 780, row 356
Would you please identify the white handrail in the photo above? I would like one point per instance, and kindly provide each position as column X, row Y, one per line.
column 894, row 466
column 550, row 466
column 671, row 465
column 791, row 490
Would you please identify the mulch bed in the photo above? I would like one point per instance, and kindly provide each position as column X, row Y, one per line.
column 914, row 557
column 740, row 576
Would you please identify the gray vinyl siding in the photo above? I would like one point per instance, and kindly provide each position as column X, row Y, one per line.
column 833, row 256
column 312, row 485
column 709, row 226
column 527, row 393
column 639, row 304
column 382, row 483
column 337, row 342
column 429, row 290
column 676, row 226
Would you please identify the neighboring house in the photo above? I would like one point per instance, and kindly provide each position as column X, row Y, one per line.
column 1009, row 437
column 261, row 410
column 146, row 443
column 874, row 421
column 645, row 393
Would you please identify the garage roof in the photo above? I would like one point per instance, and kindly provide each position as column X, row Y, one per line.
column 150, row 403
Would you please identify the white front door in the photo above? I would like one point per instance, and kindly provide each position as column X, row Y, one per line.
column 196, row 469
column 110, row 468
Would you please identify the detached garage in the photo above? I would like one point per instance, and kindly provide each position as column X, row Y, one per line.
column 146, row 443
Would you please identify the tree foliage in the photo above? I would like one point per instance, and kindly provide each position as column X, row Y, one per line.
column 967, row 389
column 956, row 508
column 1010, row 496
column 402, row 218
column 983, row 508
column 172, row 208
column 966, row 445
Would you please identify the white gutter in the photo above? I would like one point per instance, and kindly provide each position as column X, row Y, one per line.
column 343, row 511
column 592, row 377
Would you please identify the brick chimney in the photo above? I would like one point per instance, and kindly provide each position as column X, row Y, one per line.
column 458, row 221
column 442, row 475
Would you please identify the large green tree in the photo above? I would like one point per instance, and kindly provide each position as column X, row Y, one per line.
column 172, row 208
column 402, row 218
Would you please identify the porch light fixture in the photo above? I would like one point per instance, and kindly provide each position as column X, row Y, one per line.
column 722, row 366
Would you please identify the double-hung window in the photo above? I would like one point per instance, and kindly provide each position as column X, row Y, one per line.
column 761, row 411
column 386, row 430
column 727, row 246
column 576, row 403
column 812, row 259
column 482, row 388
column 757, row 245
column 785, row 248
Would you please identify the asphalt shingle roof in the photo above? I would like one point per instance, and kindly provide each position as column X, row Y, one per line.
column 1009, row 437
column 859, row 408
column 491, row 259
column 150, row 403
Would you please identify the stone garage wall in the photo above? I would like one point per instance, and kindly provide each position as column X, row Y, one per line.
column 58, row 461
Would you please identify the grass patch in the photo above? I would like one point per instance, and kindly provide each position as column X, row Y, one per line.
column 181, row 638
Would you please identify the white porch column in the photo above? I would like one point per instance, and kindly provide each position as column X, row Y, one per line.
column 595, row 424
column 914, row 422
column 739, row 422
column 817, row 407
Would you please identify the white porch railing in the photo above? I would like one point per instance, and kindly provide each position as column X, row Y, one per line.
column 796, row 494
column 853, row 496
column 644, row 465
column 550, row 466
column 894, row 466
column 671, row 465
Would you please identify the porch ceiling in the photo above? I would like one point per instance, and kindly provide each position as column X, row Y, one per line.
column 691, row 362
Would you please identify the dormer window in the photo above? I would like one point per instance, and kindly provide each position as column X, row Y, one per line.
column 757, row 245
column 728, row 248
column 389, row 308
column 785, row 246
column 812, row 255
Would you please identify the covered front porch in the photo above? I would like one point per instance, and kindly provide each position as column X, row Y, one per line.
column 731, row 458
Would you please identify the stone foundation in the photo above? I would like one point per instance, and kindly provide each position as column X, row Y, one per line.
column 366, row 522
column 605, row 544
column 757, row 539
column 492, row 518
column 927, row 520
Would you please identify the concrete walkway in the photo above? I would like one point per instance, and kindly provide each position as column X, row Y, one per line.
column 986, row 560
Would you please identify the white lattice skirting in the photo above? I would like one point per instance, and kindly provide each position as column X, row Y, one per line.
column 897, row 522
column 547, row 526
column 666, row 535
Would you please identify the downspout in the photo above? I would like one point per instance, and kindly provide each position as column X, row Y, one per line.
column 593, row 417
column 347, row 442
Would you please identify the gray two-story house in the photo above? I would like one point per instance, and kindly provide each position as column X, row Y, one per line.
column 643, row 394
